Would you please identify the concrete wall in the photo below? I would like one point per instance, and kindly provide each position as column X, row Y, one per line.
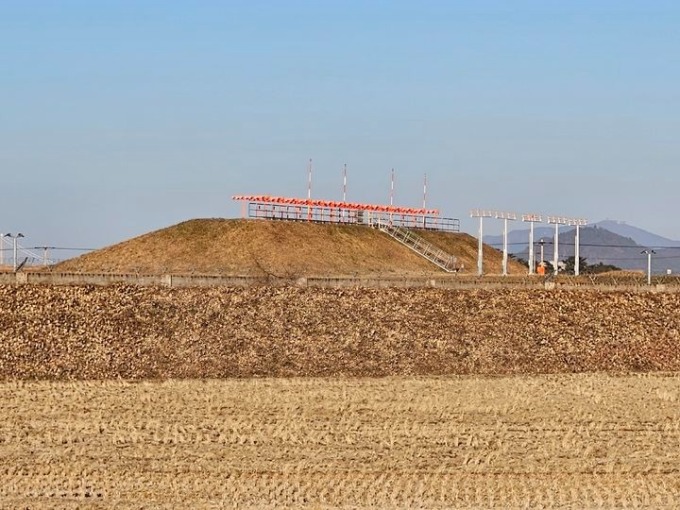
column 451, row 282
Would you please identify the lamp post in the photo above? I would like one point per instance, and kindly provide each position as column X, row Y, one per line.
column 557, row 221
column 578, row 223
column 481, row 214
column 14, row 245
column 649, row 264
column 532, row 218
column 505, row 216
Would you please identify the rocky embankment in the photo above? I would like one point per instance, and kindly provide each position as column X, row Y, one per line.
column 86, row 332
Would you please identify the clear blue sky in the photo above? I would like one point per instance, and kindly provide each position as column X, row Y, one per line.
column 120, row 117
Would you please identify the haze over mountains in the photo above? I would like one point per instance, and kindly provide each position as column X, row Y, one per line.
column 608, row 242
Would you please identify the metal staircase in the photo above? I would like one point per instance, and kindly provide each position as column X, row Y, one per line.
column 419, row 245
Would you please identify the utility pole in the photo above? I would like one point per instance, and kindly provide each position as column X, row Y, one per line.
column 14, row 246
column 44, row 249
column 649, row 264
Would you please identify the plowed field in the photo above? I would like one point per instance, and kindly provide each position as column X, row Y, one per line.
column 131, row 397
column 567, row 441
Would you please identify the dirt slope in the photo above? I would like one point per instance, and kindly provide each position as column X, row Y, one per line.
column 49, row 332
column 280, row 248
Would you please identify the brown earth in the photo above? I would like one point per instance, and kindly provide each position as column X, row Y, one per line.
column 278, row 248
column 88, row 332
column 554, row 441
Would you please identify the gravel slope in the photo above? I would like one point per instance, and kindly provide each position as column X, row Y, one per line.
column 86, row 332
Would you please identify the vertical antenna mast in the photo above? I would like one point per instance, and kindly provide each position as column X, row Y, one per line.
column 309, row 180
column 425, row 191
column 392, row 188
column 391, row 193
column 344, row 183
column 424, row 199
column 309, row 191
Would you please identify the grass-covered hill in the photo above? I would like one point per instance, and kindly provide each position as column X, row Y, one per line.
column 278, row 248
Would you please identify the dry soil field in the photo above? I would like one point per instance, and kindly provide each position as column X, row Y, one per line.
column 144, row 397
column 576, row 441
column 88, row 332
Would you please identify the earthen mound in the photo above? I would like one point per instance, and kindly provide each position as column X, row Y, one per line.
column 277, row 248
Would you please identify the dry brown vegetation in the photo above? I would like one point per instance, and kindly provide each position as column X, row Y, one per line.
column 278, row 248
column 150, row 425
column 588, row 441
column 88, row 332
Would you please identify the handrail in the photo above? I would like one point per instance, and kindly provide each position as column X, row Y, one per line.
column 419, row 245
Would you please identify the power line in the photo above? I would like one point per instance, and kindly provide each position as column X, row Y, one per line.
column 592, row 245
column 63, row 248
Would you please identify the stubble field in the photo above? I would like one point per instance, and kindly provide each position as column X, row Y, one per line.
column 582, row 441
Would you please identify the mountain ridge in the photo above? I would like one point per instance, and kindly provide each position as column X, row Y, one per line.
column 622, row 248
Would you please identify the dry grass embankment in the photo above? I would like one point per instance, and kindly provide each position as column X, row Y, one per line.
column 86, row 332
column 588, row 441
column 279, row 248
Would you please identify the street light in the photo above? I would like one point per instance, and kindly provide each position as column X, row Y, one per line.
column 505, row 216
column 541, row 242
column 557, row 221
column 578, row 223
column 649, row 264
column 532, row 218
column 14, row 239
column 481, row 214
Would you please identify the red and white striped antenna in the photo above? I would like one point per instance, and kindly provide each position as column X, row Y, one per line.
column 424, row 199
column 392, row 188
column 344, row 183
column 309, row 180
column 424, row 191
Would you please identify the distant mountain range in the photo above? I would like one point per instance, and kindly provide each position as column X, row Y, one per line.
column 608, row 242
column 640, row 236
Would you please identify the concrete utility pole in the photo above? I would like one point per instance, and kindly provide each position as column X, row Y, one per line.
column 46, row 260
column 532, row 218
column 649, row 264
column 14, row 245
